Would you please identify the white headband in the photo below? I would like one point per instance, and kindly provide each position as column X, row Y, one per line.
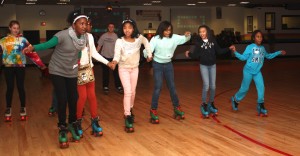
column 80, row 16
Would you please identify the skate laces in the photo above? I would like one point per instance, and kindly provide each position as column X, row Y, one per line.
column 7, row 111
column 178, row 108
column 22, row 110
column 95, row 121
column 75, row 126
column 154, row 111
column 63, row 131
column 262, row 106
column 213, row 106
column 130, row 119
column 204, row 105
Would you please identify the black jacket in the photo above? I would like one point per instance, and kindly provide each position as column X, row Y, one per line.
column 206, row 52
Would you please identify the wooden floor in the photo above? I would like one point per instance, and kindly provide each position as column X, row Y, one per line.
column 231, row 133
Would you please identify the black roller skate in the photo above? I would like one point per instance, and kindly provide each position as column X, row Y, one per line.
column 52, row 111
column 23, row 114
column 80, row 131
column 212, row 109
column 204, row 110
column 178, row 113
column 261, row 110
column 234, row 104
column 7, row 114
column 73, row 128
column 129, row 124
column 106, row 90
column 96, row 128
column 63, row 137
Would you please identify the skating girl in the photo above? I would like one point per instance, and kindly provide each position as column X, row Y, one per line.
column 254, row 55
column 206, row 49
column 127, row 55
column 14, row 61
column 63, row 68
column 87, row 90
column 164, row 44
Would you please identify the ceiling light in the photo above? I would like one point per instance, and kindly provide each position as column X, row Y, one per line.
column 64, row 0
column 29, row 3
column 244, row 2
column 202, row 2
column 231, row 5
column 31, row 0
column 156, row 1
column 147, row 4
column 191, row 4
column 61, row 3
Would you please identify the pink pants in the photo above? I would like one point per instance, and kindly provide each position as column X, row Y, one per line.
column 128, row 77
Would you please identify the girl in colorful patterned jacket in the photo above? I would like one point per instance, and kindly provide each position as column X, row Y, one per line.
column 14, row 61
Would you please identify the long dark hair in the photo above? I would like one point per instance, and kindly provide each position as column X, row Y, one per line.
column 210, row 37
column 254, row 33
column 164, row 25
column 135, row 32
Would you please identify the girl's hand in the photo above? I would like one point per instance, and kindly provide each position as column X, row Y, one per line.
column 187, row 54
column 28, row 49
column 232, row 48
column 149, row 59
column 283, row 52
column 187, row 33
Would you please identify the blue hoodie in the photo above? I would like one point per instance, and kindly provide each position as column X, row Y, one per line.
column 254, row 55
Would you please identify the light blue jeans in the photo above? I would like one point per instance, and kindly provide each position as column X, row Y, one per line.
column 208, row 74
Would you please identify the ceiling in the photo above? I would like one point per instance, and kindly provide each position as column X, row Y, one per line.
column 209, row 3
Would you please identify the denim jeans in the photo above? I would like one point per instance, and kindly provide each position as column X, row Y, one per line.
column 208, row 74
column 160, row 71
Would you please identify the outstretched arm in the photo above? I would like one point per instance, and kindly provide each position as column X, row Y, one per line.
column 244, row 56
column 272, row 55
column 147, row 48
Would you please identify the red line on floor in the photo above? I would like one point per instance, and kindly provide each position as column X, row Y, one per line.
column 245, row 136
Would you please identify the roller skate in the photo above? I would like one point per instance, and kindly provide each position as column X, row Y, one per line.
column 212, row 109
column 261, row 110
column 178, row 113
column 63, row 137
column 234, row 104
column 23, row 114
column 80, row 131
column 129, row 124
column 120, row 90
column 204, row 110
column 73, row 128
column 96, row 129
column 52, row 111
column 105, row 90
column 153, row 116
column 7, row 114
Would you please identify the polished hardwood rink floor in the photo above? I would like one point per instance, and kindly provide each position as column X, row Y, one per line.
column 230, row 133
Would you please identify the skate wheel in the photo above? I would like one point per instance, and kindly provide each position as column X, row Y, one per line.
column 23, row 118
column 100, row 133
column 7, row 119
column 64, row 145
column 182, row 117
